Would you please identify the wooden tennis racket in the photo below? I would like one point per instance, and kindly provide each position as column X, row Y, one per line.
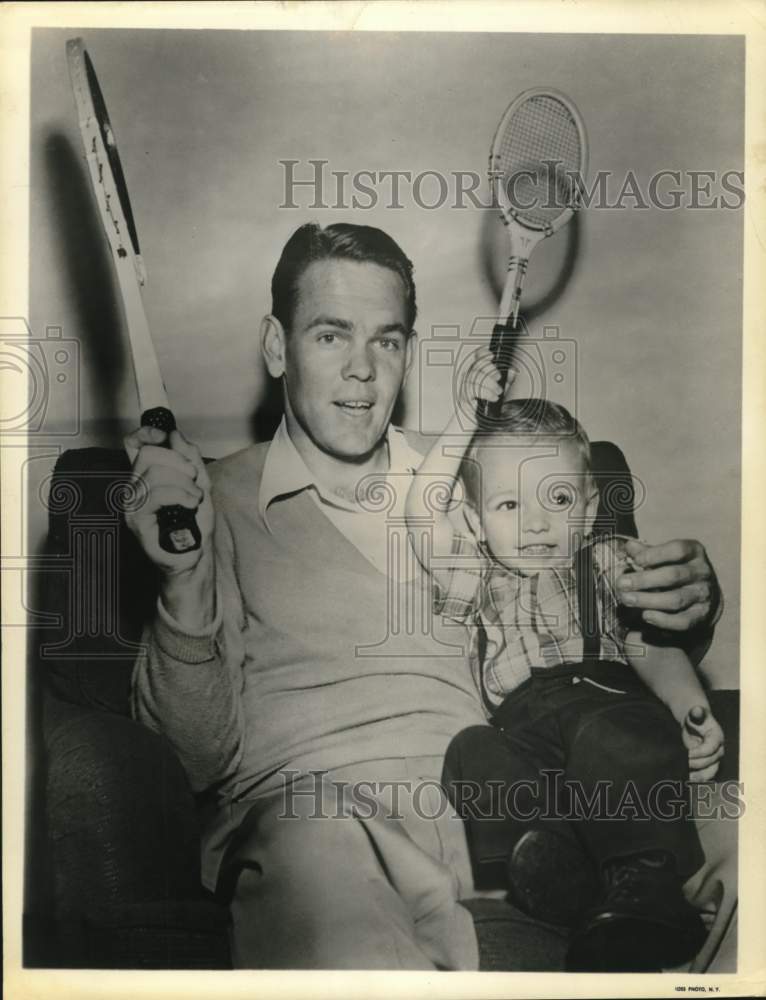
column 178, row 529
column 539, row 150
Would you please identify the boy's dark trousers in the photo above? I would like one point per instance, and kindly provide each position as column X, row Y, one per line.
column 569, row 748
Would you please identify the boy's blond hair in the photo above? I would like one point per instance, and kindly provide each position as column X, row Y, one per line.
column 538, row 418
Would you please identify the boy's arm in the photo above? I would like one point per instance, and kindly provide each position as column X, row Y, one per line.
column 668, row 672
column 431, row 496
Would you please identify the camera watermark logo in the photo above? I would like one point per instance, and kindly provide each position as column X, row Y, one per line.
column 41, row 377
column 545, row 367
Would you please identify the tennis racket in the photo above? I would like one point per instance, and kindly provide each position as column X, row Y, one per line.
column 539, row 151
column 178, row 529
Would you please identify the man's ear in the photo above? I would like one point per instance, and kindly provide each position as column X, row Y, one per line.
column 273, row 345
column 591, row 507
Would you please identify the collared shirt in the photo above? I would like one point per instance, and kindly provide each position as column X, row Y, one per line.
column 529, row 621
column 381, row 497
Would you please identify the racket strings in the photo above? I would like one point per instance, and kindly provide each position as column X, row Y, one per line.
column 541, row 133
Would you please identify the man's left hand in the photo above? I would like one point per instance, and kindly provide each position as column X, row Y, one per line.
column 674, row 586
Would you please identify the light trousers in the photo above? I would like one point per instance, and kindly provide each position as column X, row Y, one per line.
column 356, row 868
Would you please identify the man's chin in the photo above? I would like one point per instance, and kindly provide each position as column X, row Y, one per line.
column 355, row 445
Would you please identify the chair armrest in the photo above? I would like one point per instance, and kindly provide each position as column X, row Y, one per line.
column 120, row 813
column 724, row 704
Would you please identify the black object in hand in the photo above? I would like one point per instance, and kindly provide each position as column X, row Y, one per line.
column 179, row 531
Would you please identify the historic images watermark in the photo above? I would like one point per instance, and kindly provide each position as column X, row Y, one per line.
column 549, row 797
column 315, row 185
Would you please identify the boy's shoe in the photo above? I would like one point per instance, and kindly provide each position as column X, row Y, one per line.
column 643, row 923
column 551, row 878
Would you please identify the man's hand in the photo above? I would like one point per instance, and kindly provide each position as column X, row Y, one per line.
column 674, row 585
column 174, row 475
column 704, row 740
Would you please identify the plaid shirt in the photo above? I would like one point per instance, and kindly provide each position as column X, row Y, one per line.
column 529, row 621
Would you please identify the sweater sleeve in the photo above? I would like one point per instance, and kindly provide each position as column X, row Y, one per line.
column 188, row 685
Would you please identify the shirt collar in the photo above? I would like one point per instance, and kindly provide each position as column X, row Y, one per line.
column 285, row 472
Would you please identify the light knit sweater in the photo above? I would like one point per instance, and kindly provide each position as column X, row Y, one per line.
column 302, row 673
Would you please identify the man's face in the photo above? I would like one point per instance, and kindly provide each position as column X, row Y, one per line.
column 533, row 502
column 346, row 356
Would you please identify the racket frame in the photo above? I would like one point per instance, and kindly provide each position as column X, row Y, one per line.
column 523, row 236
column 178, row 530
column 126, row 257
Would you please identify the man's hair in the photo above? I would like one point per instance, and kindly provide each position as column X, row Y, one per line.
column 341, row 241
column 536, row 418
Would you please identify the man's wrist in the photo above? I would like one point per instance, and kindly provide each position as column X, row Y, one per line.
column 189, row 596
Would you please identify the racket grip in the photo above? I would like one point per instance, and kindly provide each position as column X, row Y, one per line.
column 179, row 531
column 501, row 345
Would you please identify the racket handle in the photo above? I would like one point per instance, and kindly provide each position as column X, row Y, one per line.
column 501, row 345
column 179, row 531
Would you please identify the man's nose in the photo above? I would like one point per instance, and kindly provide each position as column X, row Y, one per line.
column 359, row 363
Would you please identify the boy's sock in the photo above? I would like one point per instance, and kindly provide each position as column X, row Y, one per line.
column 641, row 923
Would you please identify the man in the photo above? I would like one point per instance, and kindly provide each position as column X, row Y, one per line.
column 318, row 724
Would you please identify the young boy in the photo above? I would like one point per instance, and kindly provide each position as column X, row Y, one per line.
column 579, row 741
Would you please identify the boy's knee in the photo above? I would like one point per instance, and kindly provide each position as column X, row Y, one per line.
column 469, row 748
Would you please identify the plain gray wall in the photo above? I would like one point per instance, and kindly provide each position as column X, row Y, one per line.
column 651, row 298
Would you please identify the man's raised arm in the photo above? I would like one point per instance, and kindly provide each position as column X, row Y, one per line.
column 187, row 679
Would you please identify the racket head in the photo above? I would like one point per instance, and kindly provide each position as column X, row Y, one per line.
column 540, row 146
column 101, row 149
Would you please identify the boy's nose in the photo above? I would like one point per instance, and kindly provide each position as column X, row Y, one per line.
column 536, row 521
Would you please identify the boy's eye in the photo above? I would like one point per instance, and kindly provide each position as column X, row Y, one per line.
column 507, row 505
column 562, row 497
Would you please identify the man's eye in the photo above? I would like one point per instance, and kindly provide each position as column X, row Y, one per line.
column 327, row 338
column 389, row 344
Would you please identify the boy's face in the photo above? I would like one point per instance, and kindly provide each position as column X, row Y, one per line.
column 534, row 498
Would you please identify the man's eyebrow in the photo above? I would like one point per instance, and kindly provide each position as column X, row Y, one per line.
column 392, row 328
column 344, row 324
column 324, row 320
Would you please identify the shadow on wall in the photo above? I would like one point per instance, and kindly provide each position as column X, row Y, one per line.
column 84, row 260
column 493, row 250
column 268, row 411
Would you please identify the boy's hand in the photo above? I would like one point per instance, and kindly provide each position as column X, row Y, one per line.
column 481, row 381
column 704, row 740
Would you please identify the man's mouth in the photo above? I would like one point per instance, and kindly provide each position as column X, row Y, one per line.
column 354, row 407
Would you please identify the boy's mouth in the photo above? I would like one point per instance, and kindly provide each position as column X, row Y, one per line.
column 538, row 549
